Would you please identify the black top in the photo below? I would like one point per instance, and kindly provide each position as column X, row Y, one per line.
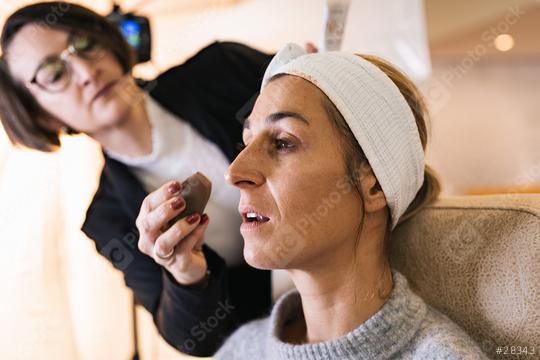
column 213, row 91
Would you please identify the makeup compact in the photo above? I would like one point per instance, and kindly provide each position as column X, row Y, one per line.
column 196, row 191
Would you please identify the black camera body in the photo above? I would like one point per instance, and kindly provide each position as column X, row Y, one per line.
column 136, row 30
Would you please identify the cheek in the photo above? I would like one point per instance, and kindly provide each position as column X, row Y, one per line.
column 67, row 106
column 319, row 209
column 318, row 201
column 122, row 96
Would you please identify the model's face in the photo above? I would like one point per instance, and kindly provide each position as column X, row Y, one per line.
column 94, row 98
column 292, row 174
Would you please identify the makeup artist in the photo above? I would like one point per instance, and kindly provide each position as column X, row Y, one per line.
column 74, row 76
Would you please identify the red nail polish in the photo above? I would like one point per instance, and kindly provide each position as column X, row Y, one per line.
column 193, row 218
column 178, row 203
column 204, row 219
column 174, row 187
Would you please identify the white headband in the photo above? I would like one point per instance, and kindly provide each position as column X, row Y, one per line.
column 376, row 112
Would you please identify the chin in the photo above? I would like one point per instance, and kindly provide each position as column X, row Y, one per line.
column 113, row 112
column 256, row 258
column 270, row 256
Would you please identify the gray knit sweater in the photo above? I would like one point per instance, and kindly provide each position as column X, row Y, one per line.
column 404, row 328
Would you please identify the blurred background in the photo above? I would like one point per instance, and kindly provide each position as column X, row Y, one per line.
column 477, row 62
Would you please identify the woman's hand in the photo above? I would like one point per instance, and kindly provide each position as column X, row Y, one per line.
column 177, row 247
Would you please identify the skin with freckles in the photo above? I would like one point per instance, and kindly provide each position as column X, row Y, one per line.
column 290, row 170
column 113, row 119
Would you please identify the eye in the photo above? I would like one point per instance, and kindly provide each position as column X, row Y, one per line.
column 283, row 144
column 51, row 73
column 86, row 46
column 57, row 75
column 83, row 43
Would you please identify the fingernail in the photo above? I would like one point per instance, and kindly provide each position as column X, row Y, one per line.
column 193, row 218
column 204, row 219
column 178, row 203
column 174, row 187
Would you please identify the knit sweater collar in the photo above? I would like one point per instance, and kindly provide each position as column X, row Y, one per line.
column 379, row 337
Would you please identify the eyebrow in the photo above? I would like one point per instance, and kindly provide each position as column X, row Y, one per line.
column 280, row 115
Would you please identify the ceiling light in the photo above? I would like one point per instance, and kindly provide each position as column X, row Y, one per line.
column 504, row 42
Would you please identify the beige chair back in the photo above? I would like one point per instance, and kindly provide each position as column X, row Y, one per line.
column 477, row 260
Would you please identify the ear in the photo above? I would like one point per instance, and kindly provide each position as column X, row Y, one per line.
column 374, row 199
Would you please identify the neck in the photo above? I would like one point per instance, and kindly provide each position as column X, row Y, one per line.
column 343, row 296
column 132, row 135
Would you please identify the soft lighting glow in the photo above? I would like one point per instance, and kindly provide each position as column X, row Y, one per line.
column 504, row 42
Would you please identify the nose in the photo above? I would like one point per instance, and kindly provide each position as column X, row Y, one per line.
column 246, row 170
column 85, row 72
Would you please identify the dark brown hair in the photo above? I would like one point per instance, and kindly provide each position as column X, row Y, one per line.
column 19, row 111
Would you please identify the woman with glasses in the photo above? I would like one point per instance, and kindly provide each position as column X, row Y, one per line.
column 73, row 75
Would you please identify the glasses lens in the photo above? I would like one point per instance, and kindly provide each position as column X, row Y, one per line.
column 53, row 75
column 86, row 46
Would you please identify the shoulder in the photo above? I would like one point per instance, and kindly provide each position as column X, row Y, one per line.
column 219, row 79
column 247, row 342
column 218, row 59
column 225, row 48
column 439, row 337
column 230, row 53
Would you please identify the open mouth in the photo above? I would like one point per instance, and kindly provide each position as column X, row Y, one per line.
column 254, row 217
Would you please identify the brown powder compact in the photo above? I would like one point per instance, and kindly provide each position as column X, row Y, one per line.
column 196, row 191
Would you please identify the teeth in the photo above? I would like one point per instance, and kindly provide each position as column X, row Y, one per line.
column 252, row 215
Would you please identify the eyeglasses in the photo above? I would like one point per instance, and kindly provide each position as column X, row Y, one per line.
column 54, row 74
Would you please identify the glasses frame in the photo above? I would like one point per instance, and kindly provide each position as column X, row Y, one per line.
column 71, row 50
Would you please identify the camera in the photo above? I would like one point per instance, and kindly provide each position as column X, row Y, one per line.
column 136, row 30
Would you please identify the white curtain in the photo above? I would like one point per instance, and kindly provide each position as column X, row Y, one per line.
column 59, row 300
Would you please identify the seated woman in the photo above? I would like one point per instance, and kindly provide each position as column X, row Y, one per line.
column 333, row 161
